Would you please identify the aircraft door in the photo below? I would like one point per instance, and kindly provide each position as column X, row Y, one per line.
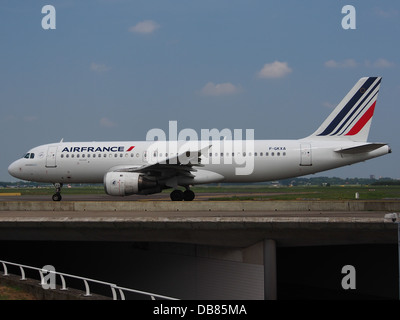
column 51, row 157
column 305, row 154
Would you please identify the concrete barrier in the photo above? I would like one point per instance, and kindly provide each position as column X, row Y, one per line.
column 154, row 206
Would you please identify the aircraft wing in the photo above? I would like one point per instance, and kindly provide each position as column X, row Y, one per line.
column 170, row 166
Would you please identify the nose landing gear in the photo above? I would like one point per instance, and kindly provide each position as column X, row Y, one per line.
column 57, row 195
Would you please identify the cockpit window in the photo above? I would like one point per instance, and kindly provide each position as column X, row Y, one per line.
column 29, row 156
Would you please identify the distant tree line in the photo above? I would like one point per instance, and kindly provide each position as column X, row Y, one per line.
column 28, row 184
column 334, row 181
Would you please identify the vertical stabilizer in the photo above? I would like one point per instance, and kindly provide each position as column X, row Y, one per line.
column 351, row 119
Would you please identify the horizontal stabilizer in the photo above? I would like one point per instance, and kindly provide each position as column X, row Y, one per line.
column 361, row 149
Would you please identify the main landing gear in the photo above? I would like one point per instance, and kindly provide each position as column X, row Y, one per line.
column 179, row 195
column 57, row 195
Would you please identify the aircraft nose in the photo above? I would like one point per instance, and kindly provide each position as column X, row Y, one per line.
column 13, row 169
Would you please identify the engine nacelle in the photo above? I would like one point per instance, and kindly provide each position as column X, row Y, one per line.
column 127, row 183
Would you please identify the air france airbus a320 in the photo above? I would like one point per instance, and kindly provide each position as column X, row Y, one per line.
column 148, row 167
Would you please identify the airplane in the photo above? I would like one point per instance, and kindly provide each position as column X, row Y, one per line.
column 148, row 167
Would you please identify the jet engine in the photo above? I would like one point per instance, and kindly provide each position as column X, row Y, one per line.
column 127, row 183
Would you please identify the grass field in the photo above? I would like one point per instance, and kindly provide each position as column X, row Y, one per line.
column 14, row 293
column 253, row 192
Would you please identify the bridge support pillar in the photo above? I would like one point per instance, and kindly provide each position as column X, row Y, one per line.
column 270, row 287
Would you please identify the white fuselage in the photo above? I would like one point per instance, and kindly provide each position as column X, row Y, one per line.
column 239, row 161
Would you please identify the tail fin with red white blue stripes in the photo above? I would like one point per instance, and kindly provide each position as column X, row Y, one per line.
column 351, row 119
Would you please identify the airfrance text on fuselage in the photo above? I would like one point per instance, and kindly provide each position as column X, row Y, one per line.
column 94, row 149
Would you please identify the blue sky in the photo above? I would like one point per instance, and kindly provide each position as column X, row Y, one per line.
column 114, row 69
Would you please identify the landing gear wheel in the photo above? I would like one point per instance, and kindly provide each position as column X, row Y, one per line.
column 176, row 195
column 188, row 195
column 56, row 197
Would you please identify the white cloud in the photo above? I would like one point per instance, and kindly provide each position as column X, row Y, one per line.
column 351, row 63
column 382, row 63
column 30, row 118
column 107, row 123
column 145, row 27
column 348, row 63
column 275, row 69
column 227, row 88
column 99, row 67
column 328, row 105
column 386, row 13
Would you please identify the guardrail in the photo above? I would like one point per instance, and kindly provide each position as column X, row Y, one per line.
column 114, row 288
